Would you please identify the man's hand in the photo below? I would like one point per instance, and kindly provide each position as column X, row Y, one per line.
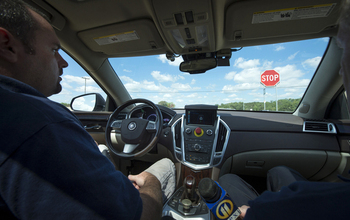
column 243, row 210
column 151, row 194
column 139, row 180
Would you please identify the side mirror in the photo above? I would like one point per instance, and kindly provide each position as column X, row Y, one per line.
column 88, row 102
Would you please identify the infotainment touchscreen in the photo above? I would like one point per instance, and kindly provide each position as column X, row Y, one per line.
column 201, row 116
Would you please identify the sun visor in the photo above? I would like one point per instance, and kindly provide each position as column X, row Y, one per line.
column 249, row 20
column 123, row 38
column 56, row 19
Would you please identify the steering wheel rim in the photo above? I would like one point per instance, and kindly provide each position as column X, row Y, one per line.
column 133, row 124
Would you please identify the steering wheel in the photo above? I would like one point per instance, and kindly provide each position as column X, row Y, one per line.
column 135, row 132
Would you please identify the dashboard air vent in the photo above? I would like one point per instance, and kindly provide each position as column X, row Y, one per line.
column 322, row 127
column 178, row 135
column 221, row 138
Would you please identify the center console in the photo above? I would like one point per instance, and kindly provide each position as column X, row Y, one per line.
column 200, row 141
column 200, row 137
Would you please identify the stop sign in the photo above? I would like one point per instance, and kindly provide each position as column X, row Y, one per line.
column 270, row 78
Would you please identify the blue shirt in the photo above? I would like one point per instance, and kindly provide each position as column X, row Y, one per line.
column 50, row 167
column 303, row 200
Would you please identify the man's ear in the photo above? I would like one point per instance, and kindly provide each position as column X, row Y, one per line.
column 8, row 46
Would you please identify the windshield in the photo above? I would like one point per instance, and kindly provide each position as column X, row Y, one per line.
column 238, row 86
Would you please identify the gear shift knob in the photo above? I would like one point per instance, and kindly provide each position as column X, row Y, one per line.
column 190, row 186
column 189, row 182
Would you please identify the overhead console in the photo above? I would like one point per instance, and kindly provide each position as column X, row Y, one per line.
column 187, row 25
column 200, row 137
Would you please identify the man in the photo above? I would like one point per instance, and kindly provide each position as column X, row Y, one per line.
column 289, row 195
column 50, row 167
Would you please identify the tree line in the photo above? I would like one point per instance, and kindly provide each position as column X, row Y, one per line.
column 284, row 105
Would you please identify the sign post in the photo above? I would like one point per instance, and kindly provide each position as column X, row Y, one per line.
column 270, row 78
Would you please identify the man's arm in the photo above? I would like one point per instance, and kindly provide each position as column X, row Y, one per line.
column 151, row 194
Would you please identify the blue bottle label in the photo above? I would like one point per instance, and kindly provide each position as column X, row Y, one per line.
column 224, row 208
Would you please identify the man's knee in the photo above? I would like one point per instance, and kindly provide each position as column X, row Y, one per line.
column 229, row 179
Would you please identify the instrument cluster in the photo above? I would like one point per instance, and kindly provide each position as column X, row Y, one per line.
column 149, row 114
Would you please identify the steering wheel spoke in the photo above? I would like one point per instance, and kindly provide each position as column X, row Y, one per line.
column 151, row 127
column 117, row 125
column 129, row 148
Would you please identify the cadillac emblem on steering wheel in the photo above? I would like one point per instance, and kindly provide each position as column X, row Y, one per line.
column 132, row 126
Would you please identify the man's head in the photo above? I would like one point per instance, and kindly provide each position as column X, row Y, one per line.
column 29, row 48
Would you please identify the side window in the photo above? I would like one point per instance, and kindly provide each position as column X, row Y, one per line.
column 76, row 82
column 339, row 108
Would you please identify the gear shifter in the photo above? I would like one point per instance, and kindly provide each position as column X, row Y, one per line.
column 187, row 201
column 190, row 185
column 190, row 189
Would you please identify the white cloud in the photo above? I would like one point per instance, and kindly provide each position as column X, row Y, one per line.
column 246, row 64
column 279, row 48
column 267, row 65
column 89, row 89
column 194, row 95
column 78, row 79
column 240, row 87
column 128, row 71
column 248, row 75
column 150, row 85
column 183, row 87
column 230, row 75
column 290, row 76
column 65, row 85
column 126, row 79
column 167, row 96
column 288, row 72
column 163, row 77
column 211, row 86
column 193, row 81
column 291, row 57
column 312, row 62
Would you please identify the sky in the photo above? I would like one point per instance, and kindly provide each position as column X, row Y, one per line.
column 157, row 79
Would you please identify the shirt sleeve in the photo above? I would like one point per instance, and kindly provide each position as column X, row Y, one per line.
column 59, row 172
column 302, row 200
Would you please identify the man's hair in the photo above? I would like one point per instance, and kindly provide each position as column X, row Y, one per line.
column 16, row 18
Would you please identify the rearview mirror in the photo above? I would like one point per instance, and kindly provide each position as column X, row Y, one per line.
column 198, row 66
column 88, row 102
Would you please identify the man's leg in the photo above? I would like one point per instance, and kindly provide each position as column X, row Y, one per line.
column 239, row 190
column 281, row 176
column 164, row 170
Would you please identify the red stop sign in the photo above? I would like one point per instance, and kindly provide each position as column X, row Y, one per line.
column 270, row 78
